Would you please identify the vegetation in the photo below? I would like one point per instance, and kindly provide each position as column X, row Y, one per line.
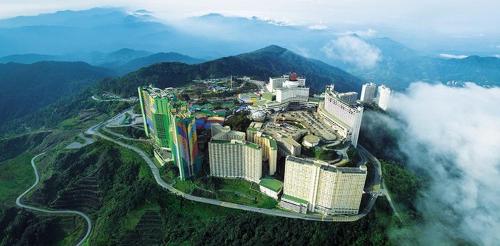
column 263, row 63
column 238, row 122
column 404, row 186
column 25, row 88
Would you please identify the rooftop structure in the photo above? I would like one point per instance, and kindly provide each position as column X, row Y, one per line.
column 320, row 187
column 348, row 97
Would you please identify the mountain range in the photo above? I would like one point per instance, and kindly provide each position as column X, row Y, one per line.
column 260, row 64
column 94, row 35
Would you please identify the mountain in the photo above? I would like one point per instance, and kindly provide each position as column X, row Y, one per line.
column 28, row 58
column 261, row 64
column 145, row 61
column 25, row 88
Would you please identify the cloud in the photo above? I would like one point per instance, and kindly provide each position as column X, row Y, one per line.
column 353, row 50
column 318, row 27
column 453, row 134
column 368, row 33
column 451, row 56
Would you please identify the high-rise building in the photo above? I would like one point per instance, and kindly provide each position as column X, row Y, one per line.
column 185, row 147
column 316, row 186
column 168, row 121
column 343, row 117
column 156, row 112
column 368, row 92
column 384, row 97
column 268, row 145
column 231, row 157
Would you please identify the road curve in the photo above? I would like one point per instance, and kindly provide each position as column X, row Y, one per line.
column 273, row 212
column 37, row 179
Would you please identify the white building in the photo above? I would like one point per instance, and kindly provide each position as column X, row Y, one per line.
column 323, row 188
column 368, row 92
column 293, row 94
column 344, row 118
column 289, row 88
column 384, row 97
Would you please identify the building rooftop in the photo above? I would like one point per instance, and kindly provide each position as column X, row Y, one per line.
column 272, row 184
column 295, row 199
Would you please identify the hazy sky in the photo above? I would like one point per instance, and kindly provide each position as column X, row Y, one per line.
column 450, row 17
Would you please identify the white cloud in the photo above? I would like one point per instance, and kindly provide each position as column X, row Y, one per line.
column 453, row 133
column 353, row 50
column 318, row 27
column 451, row 56
column 368, row 33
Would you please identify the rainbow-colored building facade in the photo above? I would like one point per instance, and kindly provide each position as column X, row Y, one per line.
column 168, row 121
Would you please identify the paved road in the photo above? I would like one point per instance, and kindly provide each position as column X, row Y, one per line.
column 66, row 212
column 378, row 179
column 94, row 130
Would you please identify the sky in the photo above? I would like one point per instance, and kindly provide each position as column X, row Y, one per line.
column 450, row 17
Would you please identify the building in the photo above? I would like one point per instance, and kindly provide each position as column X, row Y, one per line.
column 368, row 92
column 384, row 97
column 343, row 117
column 293, row 94
column 231, row 157
column 156, row 111
column 168, row 121
column 288, row 146
column 271, row 187
column 348, row 97
column 323, row 188
column 185, row 148
column 289, row 88
column 267, row 143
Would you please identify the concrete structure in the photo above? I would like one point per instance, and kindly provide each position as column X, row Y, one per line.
column 344, row 118
column 384, row 97
column 296, row 94
column 271, row 187
column 231, row 157
column 289, row 88
column 321, row 187
column 168, row 121
column 368, row 92
column 310, row 141
column 348, row 97
column 267, row 143
column 288, row 146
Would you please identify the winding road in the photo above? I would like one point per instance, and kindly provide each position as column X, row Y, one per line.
column 273, row 212
column 63, row 212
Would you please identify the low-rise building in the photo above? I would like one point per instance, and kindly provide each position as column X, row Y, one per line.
column 322, row 187
column 271, row 187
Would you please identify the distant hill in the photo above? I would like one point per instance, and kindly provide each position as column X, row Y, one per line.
column 25, row 88
column 28, row 58
column 145, row 61
column 261, row 64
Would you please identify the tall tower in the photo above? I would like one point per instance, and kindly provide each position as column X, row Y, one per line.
column 368, row 92
column 384, row 97
column 185, row 146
